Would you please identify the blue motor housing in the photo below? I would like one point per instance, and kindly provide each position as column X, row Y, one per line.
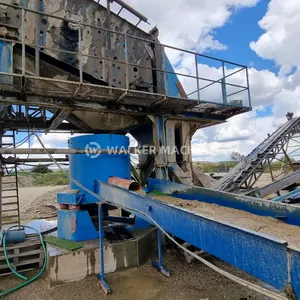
column 90, row 167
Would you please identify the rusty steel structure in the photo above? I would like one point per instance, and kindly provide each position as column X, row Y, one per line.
column 77, row 66
column 67, row 58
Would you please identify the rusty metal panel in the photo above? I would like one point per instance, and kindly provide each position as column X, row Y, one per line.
column 64, row 35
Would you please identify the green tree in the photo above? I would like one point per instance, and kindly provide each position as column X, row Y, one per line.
column 41, row 169
column 236, row 156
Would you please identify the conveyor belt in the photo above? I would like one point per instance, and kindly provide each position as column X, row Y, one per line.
column 247, row 172
column 280, row 184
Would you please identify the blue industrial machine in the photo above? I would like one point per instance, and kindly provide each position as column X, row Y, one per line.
column 265, row 257
column 77, row 217
column 75, row 222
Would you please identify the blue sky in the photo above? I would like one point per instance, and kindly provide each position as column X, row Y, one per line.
column 238, row 32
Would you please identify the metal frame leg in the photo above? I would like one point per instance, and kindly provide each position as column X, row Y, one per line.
column 159, row 265
column 100, row 276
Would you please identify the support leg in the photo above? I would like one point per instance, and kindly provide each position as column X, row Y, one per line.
column 159, row 265
column 100, row 276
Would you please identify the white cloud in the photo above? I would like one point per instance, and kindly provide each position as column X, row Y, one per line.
column 186, row 23
column 280, row 41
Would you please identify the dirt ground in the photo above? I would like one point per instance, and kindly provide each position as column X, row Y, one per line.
column 192, row 281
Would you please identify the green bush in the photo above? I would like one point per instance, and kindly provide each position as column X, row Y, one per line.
column 54, row 178
column 41, row 169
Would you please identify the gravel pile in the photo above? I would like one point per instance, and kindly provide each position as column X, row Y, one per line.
column 44, row 206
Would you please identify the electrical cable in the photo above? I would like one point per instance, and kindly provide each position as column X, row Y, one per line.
column 234, row 278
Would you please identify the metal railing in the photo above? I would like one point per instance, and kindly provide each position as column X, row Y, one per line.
column 229, row 88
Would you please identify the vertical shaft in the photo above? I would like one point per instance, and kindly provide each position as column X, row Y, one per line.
column 108, row 45
column 101, row 242
column 37, row 39
column 159, row 246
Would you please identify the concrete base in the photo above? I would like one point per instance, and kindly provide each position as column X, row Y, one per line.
column 66, row 266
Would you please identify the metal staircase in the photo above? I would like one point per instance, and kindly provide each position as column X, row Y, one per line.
column 246, row 173
column 9, row 200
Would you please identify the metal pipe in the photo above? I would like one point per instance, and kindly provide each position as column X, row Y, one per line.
column 37, row 39
column 131, row 9
column 100, row 276
column 240, row 91
column 197, row 75
column 126, row 62
column 223, row 84
column 11, row 160
column 218, row 81
column 127, row 184
column 23, row 42
column 80, row 53
column 108, row 39
column 249, row 95
column 131, row 150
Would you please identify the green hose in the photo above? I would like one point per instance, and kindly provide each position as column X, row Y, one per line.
column 28, row 281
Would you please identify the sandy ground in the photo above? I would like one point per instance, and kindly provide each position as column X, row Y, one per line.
column 267, row 179
column 192, row 281
column 28, row 197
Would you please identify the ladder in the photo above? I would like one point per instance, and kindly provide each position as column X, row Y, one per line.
column 10, row 210
column 246, row 173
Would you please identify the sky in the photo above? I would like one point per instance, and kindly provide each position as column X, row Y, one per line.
column 262, row 34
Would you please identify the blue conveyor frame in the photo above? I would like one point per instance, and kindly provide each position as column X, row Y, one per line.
column 287, row 213
column 267, row 258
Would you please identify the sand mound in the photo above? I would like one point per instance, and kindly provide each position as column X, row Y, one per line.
column 266, row 225
column 44, row 206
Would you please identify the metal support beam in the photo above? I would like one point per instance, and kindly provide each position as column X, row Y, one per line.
column 11, row 160
column 100, row 276
column 159, row 265
column 159, row 139
column 58, row 118
column 132, row 150
column 108, row 41
column 280, row 184
column 37, row 38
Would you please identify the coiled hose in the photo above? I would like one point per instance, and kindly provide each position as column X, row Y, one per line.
column 28, row 281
